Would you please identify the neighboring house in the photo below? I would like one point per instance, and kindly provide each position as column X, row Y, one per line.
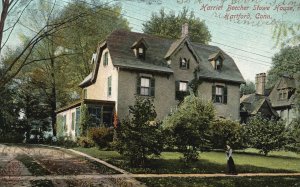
column 129, row 64
column 283, row 98
column 258, row 102
column 277, row 103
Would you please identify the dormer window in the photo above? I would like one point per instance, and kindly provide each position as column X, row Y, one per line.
column 218, row 63
column 141, row 53
column 216, row 60
column 139, row 47
column 184, row 63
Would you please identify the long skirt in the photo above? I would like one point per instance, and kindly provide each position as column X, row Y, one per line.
column 230, row 166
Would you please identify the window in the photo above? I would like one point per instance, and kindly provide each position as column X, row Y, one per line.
column 141, row 53
column 105, row 60
column 73, row 120
column 283, row 94
column 146, row 86
column 219, row 94
column 183, row 86
column 109, row 86
column 218, row 64
column 181, row 90
column 184, row 63
column 94, row 115
column 65, row 123
column 77, row 121
column 84, row 94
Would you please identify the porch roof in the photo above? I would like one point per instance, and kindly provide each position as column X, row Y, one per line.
column 85, row 101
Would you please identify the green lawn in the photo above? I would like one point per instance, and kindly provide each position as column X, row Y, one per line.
column 224, row 182
column 209, row 162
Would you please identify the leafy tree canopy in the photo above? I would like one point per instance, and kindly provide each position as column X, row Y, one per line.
column 140, row 136
column 265, row 135
column 286, row 62
column 169, row 26
column 189, row 125
column 247, row 88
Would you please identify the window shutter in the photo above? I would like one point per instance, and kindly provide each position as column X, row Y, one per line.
column 177, row 89
column 213, row 93
column 138, row 86
column 152, row 87
column 180, row 62
column 177, row 85
column 188, row 64
column 225, row 95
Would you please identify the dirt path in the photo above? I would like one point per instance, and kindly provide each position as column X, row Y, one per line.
column 57, row 166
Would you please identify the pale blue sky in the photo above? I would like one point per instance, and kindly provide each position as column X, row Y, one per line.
column 252, row 47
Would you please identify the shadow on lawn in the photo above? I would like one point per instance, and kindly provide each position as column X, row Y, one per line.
column 242, row 152
column 159, row 166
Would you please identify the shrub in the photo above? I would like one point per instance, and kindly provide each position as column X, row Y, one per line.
column 224, row 131
column 102, row 136
column 140, row 137
column 85, row 142
column 293, row 136
column 188, row 126
column 265, row 135
column 66, row 142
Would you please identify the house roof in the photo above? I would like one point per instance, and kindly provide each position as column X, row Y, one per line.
column 229, row 71
column 252, row 104
column 285, row 82
column 159, row 49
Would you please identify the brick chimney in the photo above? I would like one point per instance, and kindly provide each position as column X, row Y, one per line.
column 185, row 30
column 260, row 83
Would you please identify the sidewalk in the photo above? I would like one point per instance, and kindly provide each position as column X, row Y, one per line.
column 79, row 177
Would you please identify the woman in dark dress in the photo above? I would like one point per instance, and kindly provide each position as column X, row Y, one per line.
column 230, row 163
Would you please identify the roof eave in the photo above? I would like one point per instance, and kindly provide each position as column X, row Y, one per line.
column 220, row 79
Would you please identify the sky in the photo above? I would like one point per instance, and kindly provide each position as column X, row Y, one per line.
column 250, row 45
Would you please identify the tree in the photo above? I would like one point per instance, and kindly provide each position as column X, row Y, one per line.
column 140, row 136
column 189, row 126
column 265, row 135
column 169, row 26
column 224, row 131
column 294, row 136
column 83, row 35
column 287, row 61
column 66, row 53
column 286, row 34
column 247, row 88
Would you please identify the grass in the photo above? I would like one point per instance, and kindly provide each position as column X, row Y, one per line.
column 41, row 183
column 33, row 167
column 248, row 161
column 224, row 182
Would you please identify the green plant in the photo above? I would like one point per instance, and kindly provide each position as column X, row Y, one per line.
column 293, row 136
column 140, row 137
column 224, row 131
column 188, row 126
column 102, row 136
column 66, row 142
column 265, row 135
column 85, row 142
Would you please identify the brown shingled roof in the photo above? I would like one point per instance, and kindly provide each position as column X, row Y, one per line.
column 119, row 44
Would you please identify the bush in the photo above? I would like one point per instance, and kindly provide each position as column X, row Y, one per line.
column 224, row 131
column 102, row 136
column 66, row 142
column 140, row 137
column 293, row 136
column 85, row 142
column 188, row 126
column 265, row 135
